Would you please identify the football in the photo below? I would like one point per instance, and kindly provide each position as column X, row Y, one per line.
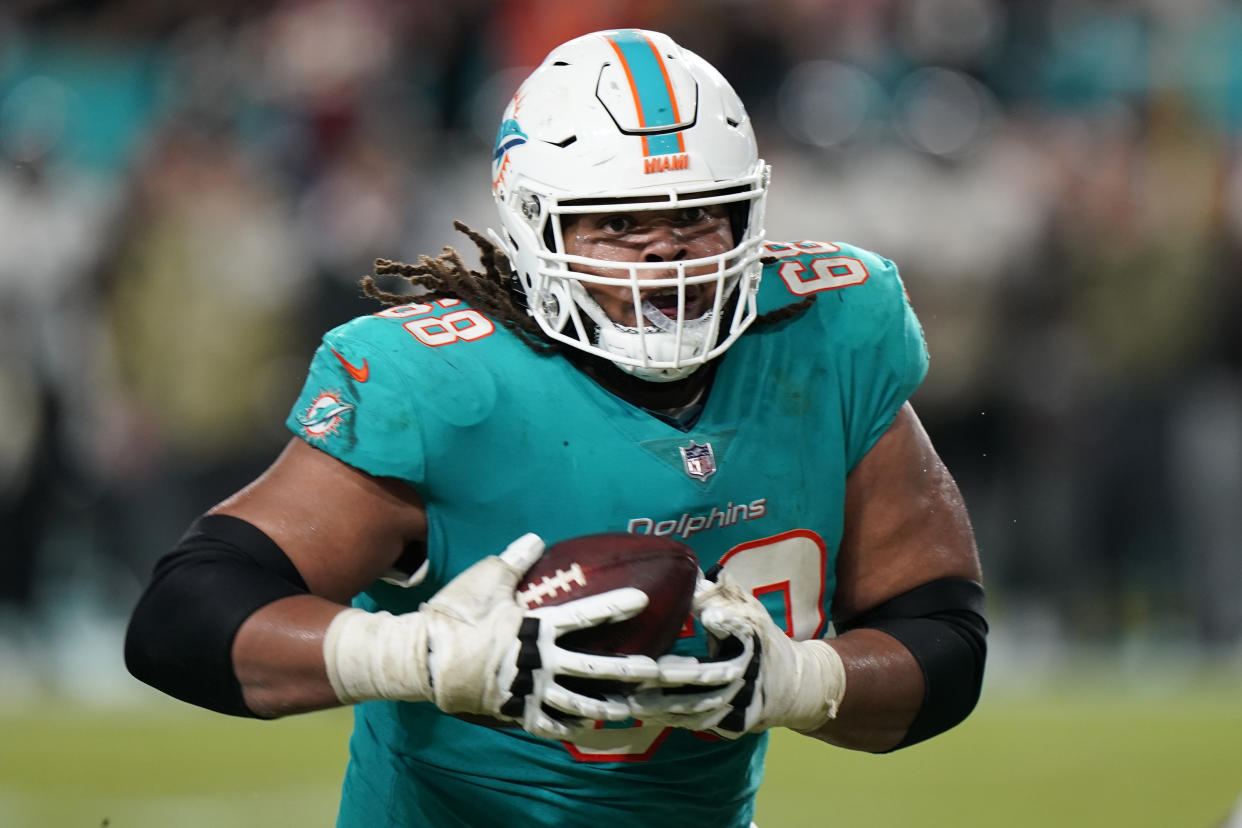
column 664, row 568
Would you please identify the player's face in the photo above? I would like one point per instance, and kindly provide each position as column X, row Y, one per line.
column 650, row 236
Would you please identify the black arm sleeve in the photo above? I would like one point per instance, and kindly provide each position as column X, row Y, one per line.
column 180, row 636
column 942, row 624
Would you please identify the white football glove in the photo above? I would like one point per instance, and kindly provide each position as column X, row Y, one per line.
column 696, row 693
column 758, row 678
column 473, row 649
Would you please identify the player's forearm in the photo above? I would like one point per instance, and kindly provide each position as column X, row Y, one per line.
column 278, row 657
column 914, row 665
column 883, row 693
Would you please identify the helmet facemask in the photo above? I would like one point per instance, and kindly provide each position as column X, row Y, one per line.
column 651, row 343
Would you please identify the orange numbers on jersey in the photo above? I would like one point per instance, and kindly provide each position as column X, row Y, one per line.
column 463, row 325
column 823, row 272
column 458, row 326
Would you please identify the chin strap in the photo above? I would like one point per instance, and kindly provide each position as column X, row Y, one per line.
column 657, row 342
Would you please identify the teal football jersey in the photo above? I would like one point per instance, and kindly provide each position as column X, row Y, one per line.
column 499, row 441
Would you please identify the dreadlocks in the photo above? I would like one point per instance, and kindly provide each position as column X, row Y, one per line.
column 446, row 276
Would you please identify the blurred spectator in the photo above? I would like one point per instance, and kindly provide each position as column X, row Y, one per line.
column 190, row 190
column 54, row 217
column 206, row 292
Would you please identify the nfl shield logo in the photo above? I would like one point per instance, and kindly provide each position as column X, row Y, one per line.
column 699, row 459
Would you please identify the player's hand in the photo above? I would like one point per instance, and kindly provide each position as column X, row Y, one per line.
column 473, row 649
column 547, row 694
column 758, row 677
column 696, row 693
column 488, row 655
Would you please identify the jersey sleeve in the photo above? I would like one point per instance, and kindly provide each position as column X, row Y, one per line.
column 865, row 329
column 887, row 353
column 382, row 399
column 356, row 404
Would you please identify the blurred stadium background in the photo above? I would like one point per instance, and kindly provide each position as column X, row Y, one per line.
column 190, row 190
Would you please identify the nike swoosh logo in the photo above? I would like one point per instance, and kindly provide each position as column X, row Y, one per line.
column 360, row 374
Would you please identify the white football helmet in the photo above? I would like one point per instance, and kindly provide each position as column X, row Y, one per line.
column 629, row 114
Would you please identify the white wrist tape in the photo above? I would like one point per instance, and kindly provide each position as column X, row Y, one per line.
column 819, row 683
column 377, row 655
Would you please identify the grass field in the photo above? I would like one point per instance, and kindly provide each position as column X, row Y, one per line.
column 1086, row 760
column 1084, row 757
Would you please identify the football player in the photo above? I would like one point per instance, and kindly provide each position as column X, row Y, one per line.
column 635, row 355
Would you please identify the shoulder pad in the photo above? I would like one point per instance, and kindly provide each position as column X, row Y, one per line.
column 794, row 271
column 398, row 378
